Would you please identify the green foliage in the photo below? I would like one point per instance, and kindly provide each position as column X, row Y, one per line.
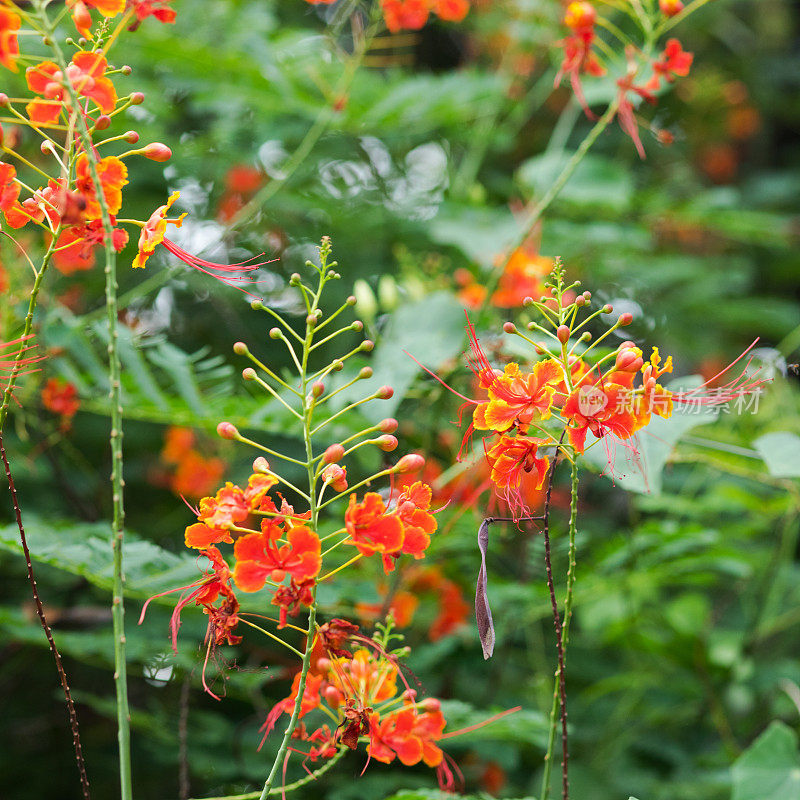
column 770, row 768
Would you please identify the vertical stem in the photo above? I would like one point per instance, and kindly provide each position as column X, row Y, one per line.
column 73, row 717
column 545, row 791
column 115, row 436
column 27, row 326
column 534, row 211
column 308, row 412
column 560, row 672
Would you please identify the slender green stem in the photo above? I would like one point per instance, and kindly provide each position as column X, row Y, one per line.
column 290, row 787
column 115, row 436
column 307, row 415
column 535, row 211
column 551, row 738
column 26, row 329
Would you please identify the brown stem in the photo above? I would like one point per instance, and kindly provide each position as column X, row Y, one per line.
column 73, row 717
column 184, row 789
column 562, row 682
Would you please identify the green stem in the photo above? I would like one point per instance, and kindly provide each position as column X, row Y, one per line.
column 28, row 325
column 115, row 436
column 551, row 738
column 535, row 211
column 290, row 787
column 308, row 412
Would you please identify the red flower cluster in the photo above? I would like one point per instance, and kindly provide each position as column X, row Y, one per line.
column 414, row 14
column 579, row 59
column 61, row 397
column 192, row 475
column 406, row 529
column 361, row 691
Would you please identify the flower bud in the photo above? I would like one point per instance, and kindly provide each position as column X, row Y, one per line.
column 580, row 16
column 431, row 704
column 364, row 373
column 625, row 319
column 629, row 358
column 410, row 694
column 323, row 664
column 274, row 333
column 333, row 454
column 562, row 333
column 137, row 98
column 388, row 425
column 317, row 389
column 413, row 462
column 156, row 151
column 509, row 327
column 670, row 8
column 131, row 137
column 240, row 348
column 103, row 122
column 227, row 430
column 527, row 301
column 125, row 69
column 333, row 696
column 367, row 345
column 384, row 393
column 580, row 301
column 608, row 308
column 249, row 374
column 336, row 477
column 4, row 101
column 351, row 301
column 357, row 326
column 587, row 295
column 337, row 365
column 387, row 442
column 261, row 464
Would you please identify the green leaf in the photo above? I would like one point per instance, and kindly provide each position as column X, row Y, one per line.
column 431, row 330
column 597, row 181
column 781, row 453
column 530, row 727
column 770, row 768
column 84, row 549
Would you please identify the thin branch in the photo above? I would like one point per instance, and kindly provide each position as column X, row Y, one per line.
column 73, row 717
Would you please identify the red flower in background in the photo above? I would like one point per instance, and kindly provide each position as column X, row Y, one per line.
column 61, row 397
column 9, row 48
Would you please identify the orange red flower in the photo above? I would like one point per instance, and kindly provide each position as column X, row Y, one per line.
column 61, row 397
column 86, row 73
column 9, row 47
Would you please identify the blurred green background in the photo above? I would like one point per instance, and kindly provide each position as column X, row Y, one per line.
column 684, row 646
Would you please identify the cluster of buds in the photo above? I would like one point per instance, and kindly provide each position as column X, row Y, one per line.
column 412, row 15
column 581, row 58
column 73, row 190
column 573, row 390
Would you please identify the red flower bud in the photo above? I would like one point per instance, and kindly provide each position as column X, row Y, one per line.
column 333, row 454
column 384, row 393
column 336, row 476
column 103, row 122
column 137, row 98
column 227, row 430
column 669, row 8
column 625, row 319
column 387, row 442
column 317, row 389
column 410, row 463
column 131, row 137
column 388, row 425
column 365, row 372
column 261, row 464
column 563, row 334
column 157, row 152
column 509, row 327
column 249, row 374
